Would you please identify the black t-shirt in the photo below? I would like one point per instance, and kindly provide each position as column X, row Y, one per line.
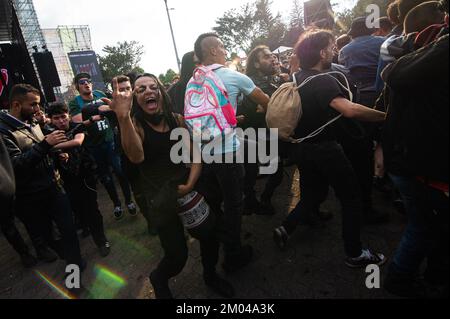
column 316, row 97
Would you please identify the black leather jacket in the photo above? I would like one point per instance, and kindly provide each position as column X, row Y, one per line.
column 29, row 154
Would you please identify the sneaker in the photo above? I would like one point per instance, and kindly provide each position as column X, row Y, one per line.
column 132, row 209
column 118, row 213
column 236, row 262
column 46, row 254
column 280, row 237
column 219, row 285
column 105, row 249
column 367, row 258
column 28, row 260
column 160, row 287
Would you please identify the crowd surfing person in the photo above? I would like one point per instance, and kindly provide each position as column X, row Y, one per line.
column 146, row 142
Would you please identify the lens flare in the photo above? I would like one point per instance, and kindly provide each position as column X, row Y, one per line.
column 107, row 284
column 58, row 289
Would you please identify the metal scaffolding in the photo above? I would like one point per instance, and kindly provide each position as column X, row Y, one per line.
column 31, row 30
column 63, row 40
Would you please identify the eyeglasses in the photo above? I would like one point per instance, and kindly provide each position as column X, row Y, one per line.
column 83, row 82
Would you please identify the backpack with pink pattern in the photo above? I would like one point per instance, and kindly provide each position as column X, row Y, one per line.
column 208, row 111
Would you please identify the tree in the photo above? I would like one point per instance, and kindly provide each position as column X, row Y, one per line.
column 167, row 78
column 296, row 16
column 236, row 29
column 296, row 24
column 251, row 25
column 345, row 18
column 121, row 59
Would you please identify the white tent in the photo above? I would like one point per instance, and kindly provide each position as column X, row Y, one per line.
column 281, row 49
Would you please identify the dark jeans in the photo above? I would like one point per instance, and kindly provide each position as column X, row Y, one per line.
column 9, row 228
column 274, row 180
column 224, row 183
column 361, row 156
column 82, row 192
column 426, row 235
column 106, row 157
column 172, row 237
column 327, row 162
column 37, row 211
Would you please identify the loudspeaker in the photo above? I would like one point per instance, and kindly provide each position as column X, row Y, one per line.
column 319, row 13
column 47, row 69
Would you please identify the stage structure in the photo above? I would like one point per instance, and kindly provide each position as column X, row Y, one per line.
column 61, row 41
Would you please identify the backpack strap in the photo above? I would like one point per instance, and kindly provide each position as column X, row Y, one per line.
column 322, row 128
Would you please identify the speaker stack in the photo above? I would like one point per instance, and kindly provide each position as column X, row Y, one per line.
column 48, row 73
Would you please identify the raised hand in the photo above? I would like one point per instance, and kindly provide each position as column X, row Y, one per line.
column 122, row 101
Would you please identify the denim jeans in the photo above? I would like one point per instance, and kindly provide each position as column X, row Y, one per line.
column 106, row 157
column 426, row 234
column 318, row 164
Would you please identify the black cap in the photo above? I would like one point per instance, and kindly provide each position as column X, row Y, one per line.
column 359, row 28
column 80, row 76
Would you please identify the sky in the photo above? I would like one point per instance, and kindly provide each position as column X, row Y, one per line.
column 145, row 21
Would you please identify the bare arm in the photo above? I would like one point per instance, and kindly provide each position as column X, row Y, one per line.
column 131, row 141
column 77, row 118
column 357, row 111
column 76, row 142
column 259, row 97
column 196, row 166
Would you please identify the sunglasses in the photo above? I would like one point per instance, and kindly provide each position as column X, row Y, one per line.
column 83, row 82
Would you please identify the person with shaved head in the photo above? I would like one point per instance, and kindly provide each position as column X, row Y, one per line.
column 226, row 180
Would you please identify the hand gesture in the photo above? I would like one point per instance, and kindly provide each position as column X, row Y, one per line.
column 122, row 101
column 55, row 138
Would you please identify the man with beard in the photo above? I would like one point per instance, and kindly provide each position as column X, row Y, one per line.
column 40, row 199
column 261, row 69
column 320, row 157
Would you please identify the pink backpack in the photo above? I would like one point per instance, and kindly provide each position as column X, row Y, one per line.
column 208, row 111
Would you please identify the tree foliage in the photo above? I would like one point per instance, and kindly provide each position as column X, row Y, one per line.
column 167, row 78
column 345, row 18
column 250, row 25
column 122, row 58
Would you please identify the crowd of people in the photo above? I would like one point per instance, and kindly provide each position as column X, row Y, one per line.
column 378, row 95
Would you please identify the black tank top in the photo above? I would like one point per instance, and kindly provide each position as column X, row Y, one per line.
column 157, row 167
